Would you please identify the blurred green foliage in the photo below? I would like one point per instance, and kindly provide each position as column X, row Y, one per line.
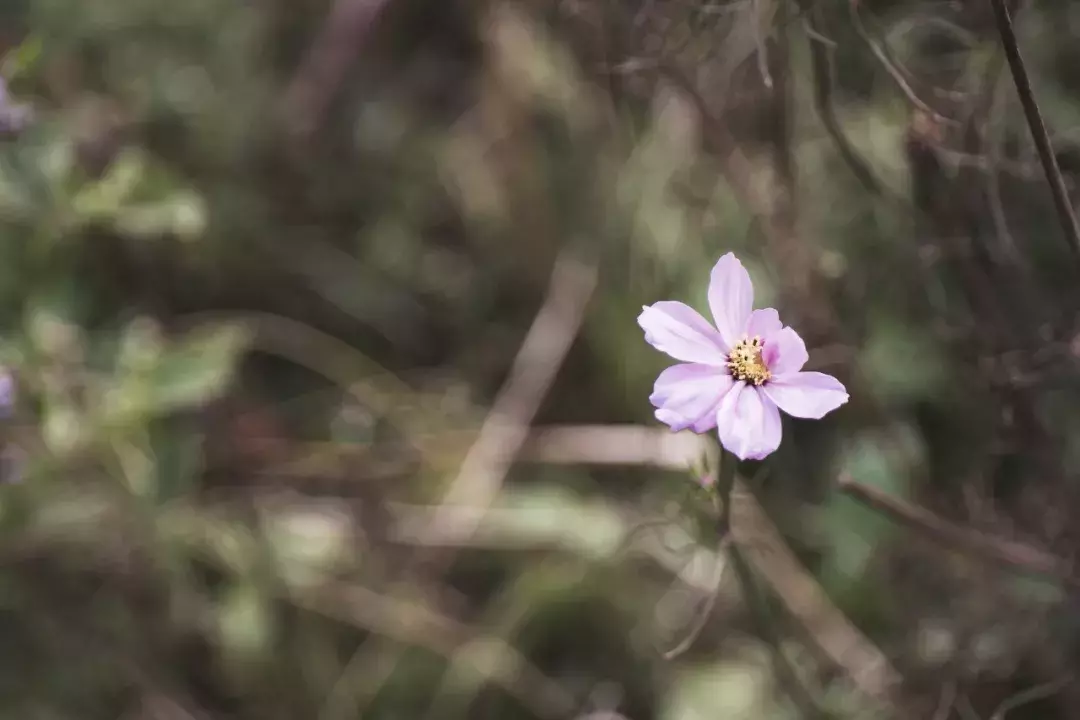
column 257, row 313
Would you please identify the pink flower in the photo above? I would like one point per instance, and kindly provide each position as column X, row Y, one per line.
column 738, row 375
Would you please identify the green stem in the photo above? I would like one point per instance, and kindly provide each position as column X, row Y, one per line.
column 759, row 604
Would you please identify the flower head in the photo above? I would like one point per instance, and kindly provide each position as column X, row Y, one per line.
column 7, row 393
column 738, row 375
column 13, row 116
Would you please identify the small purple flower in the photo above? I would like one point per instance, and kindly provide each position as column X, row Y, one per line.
column 13, row 116
column 7, row 393
column 737, row 376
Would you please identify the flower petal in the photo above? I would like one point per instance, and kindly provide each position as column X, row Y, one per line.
column 688, row 396
column 7, row 393
column 13, row 116
column 731, row 297
column 678, row 330
column 764, row 323
column 784, row 352
column 748, row 423
column 806, row 394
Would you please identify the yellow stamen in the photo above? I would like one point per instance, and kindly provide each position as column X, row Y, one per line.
column 745, row 361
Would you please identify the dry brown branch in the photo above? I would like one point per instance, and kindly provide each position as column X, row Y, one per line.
column 1060, row 194
column 705, row 612
column 822, row 69
column 898, row 75
column 691, row 562
column 966, row 709
column 333, row 52
column 838, row 639
column 1010, row 555
column 450, row 697
column 946, row 701
column 869, row 670
column 788, row 676
column 1007, row 244
column 763, row 11
column 738, row 170
column 770, row 204
column 612, row 445
column 412, row 623
column 506, row 427
column 372, row 385
column 361, row 677
column 1039, row 692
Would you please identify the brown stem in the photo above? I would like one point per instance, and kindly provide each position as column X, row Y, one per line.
column 317, row 81
column 1038, row 128
column 822, row 69
column 1011, row 555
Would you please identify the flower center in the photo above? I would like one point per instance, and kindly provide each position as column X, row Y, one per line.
column 745, row 363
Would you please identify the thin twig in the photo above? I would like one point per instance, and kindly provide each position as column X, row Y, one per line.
column 946, row 701
column 456, row 691
column 1011, row 555
column 756, row 600
column 838, row 638
column 333, row 52
column 760, row 20
column 822, row 68
column 738, row 169
column 370, row 384
column 1062, row 203
column 502, row 532
column 361, row 674
column 1039, row 692
column 816, row 36
column 412, row 623
column 995, row 127
column 803, row 597
column 612, row 445
column 405, row 620
column 966, row 709
column 630, row 445
column 706, row 610
column 506, row 427
column 891, row 68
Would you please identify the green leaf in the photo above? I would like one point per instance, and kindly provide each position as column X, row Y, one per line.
column 179, row 453
column 198, row 369
column 23, row 59
column 734, row 689
column 105, row 198
column 182, row 214
column 245, row 622
column 62, row 428
column 308, row 542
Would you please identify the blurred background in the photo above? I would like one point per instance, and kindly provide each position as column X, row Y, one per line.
column 327, row 397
